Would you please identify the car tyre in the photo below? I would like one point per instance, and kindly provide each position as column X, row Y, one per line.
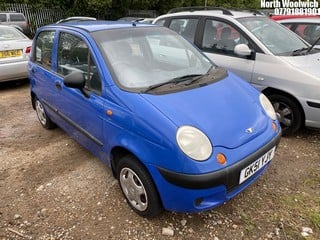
column 138, row 187
column 288, row 113
column 42, row 115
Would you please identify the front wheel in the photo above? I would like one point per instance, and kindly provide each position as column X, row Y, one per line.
column 138, row 187
column 288, row 113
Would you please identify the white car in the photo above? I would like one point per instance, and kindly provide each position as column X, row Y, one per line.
column 15, row 48
column 269, row 56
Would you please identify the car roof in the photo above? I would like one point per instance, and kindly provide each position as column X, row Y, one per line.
column 217, row 12
column 92, row 26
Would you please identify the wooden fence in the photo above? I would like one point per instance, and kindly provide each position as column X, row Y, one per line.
column 36, row 17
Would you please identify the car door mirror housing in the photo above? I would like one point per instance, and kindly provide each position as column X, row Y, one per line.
column 242, row 50
column 74, row 80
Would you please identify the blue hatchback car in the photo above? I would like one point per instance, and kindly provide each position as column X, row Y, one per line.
column 179, row 133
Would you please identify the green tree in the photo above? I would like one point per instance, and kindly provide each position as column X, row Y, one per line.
column 114, row 9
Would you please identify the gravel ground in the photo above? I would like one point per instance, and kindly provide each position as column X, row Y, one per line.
column 52, row 188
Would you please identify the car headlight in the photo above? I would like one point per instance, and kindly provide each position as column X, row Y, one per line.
column 267, row 106
column 194, row 143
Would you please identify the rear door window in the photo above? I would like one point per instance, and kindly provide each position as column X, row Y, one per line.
column 185, row 26
column 44, row 44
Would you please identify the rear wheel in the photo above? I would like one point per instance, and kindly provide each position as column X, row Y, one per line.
column 138, row 187
column 288, row 113
column 42, row 115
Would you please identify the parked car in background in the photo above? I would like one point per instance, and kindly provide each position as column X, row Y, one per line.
column 77, row 18
column 178, row 132
column 272, row 58
column 15, row 19
column 284, row 17
column 15, row 48
column 307, row 28
column 136, row 19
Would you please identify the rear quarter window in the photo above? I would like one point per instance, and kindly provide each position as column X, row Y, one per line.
column 17, row 18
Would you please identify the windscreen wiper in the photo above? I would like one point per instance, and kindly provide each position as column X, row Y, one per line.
column 312, row 46
column 200, row 76
column 298, row 51
column 173, row 81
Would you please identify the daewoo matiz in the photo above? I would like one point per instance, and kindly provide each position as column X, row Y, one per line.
column 179, row 133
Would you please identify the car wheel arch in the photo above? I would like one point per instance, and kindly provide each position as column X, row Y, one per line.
column 33, row 99
column 115, row 155
column 118, row 153
column 273, row 91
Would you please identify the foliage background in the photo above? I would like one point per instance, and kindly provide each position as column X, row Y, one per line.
column 115, row 9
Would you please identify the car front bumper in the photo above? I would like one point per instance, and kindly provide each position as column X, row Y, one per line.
column 193, row 193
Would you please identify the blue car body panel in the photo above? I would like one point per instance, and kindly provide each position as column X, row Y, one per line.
column 146, row 124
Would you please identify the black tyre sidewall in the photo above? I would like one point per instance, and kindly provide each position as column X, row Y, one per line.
column 297, row 114
column 49, row 124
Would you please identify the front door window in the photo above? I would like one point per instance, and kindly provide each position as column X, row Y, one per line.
column 220, row 37
column 74, row 55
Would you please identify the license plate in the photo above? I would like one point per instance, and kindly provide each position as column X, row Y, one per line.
column 251, row 169
column 10, row 53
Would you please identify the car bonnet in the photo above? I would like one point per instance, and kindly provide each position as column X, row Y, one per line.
column 309, row 63
column 224, row 111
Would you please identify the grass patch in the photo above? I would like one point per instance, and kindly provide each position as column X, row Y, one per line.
column 301, row 206
column 313, row 179
column 315, row 219
column 248, row 225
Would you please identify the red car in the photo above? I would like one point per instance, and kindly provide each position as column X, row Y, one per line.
column 282, row 17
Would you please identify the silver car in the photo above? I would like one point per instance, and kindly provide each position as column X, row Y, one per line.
column 15, row 19
column 15, row 48
column 271, row 57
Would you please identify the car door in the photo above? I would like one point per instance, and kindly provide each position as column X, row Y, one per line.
column 217, row 40
column 82, row 110
column 78, row 112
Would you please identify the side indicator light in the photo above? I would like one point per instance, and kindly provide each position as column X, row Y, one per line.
column 274, row 127
column 221, row 158
column 109, row 112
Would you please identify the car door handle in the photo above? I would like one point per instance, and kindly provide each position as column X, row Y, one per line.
column 58, row 85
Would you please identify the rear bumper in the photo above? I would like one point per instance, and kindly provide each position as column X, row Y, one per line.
column 13, row 71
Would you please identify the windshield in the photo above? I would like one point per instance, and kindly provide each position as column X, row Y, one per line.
column 278, row 39
column 145, row 57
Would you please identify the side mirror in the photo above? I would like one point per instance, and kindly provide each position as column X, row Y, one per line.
column 74, row 80
column 242, row 50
